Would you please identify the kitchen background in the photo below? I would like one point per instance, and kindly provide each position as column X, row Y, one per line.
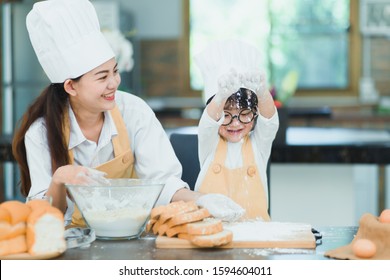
column 332, row 57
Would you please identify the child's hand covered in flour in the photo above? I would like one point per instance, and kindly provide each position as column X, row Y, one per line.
column 228, row 83
column 221, row 207
column 254, row 80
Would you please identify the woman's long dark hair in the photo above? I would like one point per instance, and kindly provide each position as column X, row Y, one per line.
column 51, row 106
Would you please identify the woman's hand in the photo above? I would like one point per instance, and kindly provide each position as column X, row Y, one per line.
column 78, row 175
column 72, row 174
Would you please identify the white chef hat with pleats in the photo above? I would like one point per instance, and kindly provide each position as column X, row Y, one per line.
column 66, row 38
column 222, row 56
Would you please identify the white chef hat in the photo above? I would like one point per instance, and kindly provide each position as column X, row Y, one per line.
column 222, row 56
column 66, row 38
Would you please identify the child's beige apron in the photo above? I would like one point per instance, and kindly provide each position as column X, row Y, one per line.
column 242, row 184
column 121, row 166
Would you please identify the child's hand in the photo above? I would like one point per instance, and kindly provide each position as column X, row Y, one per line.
column 228, row 84
column 254, row 80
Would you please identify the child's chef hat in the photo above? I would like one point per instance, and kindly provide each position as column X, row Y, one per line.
column 220, row 57
column 66, row 38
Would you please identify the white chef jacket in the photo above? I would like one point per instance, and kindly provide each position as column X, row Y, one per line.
column 261, row 138
column 153, row 153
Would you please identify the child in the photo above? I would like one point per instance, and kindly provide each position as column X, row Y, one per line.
column 237, row 127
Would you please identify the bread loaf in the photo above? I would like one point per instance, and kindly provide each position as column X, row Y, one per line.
column 5, row 224
column 18, row 215
column 150, row 224
column 206, row 226
column 14, row 245
column 162, row 214
column 19, row 211
column 45, row 231
column 34, row 227
column 183, row 208
column 189, row 217
column 212, row 240
column 173, row 206
column 187, row 221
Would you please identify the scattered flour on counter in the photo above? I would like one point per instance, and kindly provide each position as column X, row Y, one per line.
column 116, row 223
column 273, row 251
column 257, row 230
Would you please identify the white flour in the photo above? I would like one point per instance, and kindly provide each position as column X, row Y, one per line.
column 256, row 230
column 116, row 223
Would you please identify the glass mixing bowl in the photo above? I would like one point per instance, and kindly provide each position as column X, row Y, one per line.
column 118, row 210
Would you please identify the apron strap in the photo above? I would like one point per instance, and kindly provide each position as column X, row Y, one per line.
column 121, row 141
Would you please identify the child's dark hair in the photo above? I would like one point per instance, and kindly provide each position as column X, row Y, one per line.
column 243, row 98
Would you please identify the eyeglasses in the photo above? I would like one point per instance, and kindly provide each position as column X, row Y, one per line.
column 245, row 116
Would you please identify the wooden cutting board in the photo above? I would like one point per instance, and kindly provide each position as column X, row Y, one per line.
column 256, row 234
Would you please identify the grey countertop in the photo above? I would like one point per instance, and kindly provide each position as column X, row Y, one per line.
column 144, row 249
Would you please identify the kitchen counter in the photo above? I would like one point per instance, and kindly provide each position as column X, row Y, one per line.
column 145, row 249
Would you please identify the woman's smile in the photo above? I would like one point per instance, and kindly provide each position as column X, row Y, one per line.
column 109, row 97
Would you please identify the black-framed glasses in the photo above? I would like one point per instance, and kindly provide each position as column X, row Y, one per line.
column 245, row 116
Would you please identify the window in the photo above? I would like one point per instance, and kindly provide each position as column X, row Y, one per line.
column 317, row 39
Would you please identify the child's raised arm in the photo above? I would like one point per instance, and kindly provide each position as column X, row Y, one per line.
column 228, row 84
column 255, row 80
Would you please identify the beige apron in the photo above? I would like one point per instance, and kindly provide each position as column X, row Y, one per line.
column 242, row 184
column 121, row 166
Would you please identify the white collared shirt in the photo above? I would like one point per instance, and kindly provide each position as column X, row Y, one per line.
column 153, row 153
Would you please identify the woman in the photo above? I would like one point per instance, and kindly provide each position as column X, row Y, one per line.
column 81, row 127
column 237, row 127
